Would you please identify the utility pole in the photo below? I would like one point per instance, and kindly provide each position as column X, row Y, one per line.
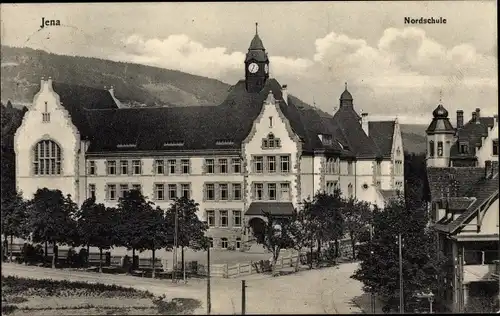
column 401, row 300
column 243, row 297
column 372, row 297
column 174, row 261
column 209, row 303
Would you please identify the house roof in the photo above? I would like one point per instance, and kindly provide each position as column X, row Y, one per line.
column 274, row 208
column 469, row 189
column 223, row 127
column 388, row 194
column 76, row 99
column 382, row 134
column 471, row 134
column 347, row 121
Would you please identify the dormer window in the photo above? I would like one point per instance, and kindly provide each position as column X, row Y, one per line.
column 464, row 147
column 46, row 114
column 495, row 147
column 271, row 142
column 173, row 144
column 326, row 139
column 224, row 143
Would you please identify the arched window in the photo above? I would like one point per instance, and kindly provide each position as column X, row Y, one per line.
column 47, row 158
column 440, row 149
column 271, row 142
column 224, row 243
column 431, row 148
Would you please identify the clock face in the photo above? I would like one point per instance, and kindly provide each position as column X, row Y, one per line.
column 266, row 68
column 253, row 68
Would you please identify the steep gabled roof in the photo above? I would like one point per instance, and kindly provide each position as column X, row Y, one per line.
column 358, row 142
column 454, row 182
column 382, row 134
column 76, row 99
column 471, row 133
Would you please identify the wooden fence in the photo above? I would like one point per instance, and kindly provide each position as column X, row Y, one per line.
column 241, row 269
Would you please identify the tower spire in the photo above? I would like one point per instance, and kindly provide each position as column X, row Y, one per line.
column 345, row 83
column 440, row 96
column 256, row 28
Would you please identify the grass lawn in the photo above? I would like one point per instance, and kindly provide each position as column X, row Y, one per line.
column 22, row 296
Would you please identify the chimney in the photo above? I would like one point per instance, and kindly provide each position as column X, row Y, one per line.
column 364, row 123
column 487, row 168
column 284, row 93
column 495, row 119
column 478, row 111
column 42, row 81
column 460, row 119
column 112, row 90
column 474, row 116
column 494, row 167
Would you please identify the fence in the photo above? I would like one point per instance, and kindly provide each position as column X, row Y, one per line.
column 240, row 269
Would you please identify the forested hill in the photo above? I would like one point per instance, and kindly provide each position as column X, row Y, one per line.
column 134, row 84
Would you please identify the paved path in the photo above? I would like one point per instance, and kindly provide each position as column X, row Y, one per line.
column 329, row 290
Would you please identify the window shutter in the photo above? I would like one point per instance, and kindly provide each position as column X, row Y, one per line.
column 106, row 189
column 204, row 192
column 141, row 166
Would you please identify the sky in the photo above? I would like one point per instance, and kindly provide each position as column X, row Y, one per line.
column 391, row 68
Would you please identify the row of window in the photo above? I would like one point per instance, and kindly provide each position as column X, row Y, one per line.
column 273, row 164
column 114, row 191
column 268, row 191
column 223, row 191
column 224, row 243
column 432, row 148
column 220, row 218
column 463, row 148
column 332, row 166
column 271, row 142
column 398, row 167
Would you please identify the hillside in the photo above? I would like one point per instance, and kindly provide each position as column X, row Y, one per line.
column 134, row 84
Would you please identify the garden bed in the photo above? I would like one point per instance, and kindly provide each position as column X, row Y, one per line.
column 21, row 296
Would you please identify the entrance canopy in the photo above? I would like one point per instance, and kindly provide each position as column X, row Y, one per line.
column 274, row 208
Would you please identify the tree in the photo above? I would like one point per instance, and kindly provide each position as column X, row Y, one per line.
column 190, row 230
column 14, row 216
column 276, row 236
column 299, row 232
column 96, row 226
column 132, row 211
column 155, row 232
column 325, row 218
column 51, row 218
column 357, row 216
column 379, row 269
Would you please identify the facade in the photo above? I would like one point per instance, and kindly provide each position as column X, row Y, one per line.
column 463, row 178
column 261, row 149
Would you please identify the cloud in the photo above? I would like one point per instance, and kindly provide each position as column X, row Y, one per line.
column 405, row 68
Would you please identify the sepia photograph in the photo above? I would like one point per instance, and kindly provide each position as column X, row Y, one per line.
column 287, row 157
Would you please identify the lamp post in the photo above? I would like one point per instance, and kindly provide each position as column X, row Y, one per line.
column 209, row 303
column 372, row 298
column 401, row 300
column 174, row 261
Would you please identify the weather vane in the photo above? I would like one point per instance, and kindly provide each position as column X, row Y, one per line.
column 440, row 96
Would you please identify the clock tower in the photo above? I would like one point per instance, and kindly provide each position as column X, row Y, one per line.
column 256, row 65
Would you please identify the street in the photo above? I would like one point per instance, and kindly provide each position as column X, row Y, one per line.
column 329, row 290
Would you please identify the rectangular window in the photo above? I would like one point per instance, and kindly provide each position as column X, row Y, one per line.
column 399, row 185
column 159, row 167
column 431, row 148
column 285, row 164
column 258, row 164
column 464, row 148
column 123, row 167
column 329, row 187
column 136, row 165
column 223, row 243
column 236, row 218
column 285, row 191
column 211, row 218
column 258, row 191
column 209, row 166
column 236, row 163
column 335, row 186
column 223, row 219
column 378, row 184
column 172, row 166
column 223, row 192
column 185, row 166
column 271, row 164
column 495, row 147
column 172, row 191
column 111, row 167
column 137, row 187
column 223, row 165
column 236, row 191
column 123, row 190
column 271, row 191
column 186, row 190
column 92, row 168
column 210, row 191
column 160, row 191
column 112, row 192
column 350, row 168
column 92, row 191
